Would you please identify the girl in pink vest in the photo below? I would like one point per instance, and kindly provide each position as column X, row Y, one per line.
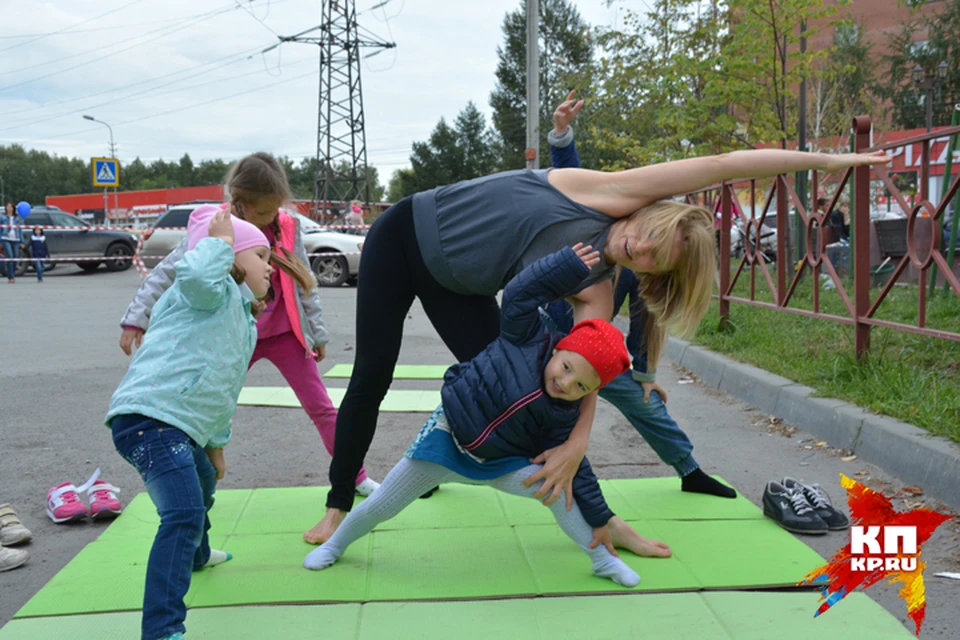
column 290, row 331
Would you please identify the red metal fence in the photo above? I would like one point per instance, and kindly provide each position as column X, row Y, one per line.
column 862, row 308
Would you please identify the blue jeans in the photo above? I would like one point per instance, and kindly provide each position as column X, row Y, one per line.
column 11, row 250
column 38, row 265
column 652, row 421
column 181, row 481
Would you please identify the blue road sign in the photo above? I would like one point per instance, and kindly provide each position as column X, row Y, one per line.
column 106, row 172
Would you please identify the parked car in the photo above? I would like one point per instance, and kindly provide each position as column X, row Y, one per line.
column 88, row 245
column 331, row 270
column 167, row 232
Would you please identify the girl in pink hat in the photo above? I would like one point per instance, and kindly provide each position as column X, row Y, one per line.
column 171, row 415
column 291, row 333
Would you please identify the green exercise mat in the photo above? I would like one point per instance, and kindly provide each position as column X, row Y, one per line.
column 235, row 623
column 661, row 499
column 727, row 615
column 396, row 400
column 269, row 569
column 400, row 371
column 737, row 553
column 465, row 542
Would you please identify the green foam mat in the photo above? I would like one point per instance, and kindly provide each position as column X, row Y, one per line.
column 433, row 564
column 396, row 400
column 457, row 544
column 661, row 499
column 789, row 616
column 269, row 569
column 721, row 615
column 401, row 371
column 560, row 567
column 236, row 623
column 737, row 553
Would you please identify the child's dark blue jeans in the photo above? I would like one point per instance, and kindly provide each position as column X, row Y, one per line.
column 181, row 481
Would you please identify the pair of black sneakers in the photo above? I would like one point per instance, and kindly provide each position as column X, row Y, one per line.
column 802, row 508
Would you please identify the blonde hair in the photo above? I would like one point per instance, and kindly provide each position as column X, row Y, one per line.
column 678, row 299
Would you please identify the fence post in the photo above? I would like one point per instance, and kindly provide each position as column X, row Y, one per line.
column 784, row 264
column 725, row 222
column 861, row 254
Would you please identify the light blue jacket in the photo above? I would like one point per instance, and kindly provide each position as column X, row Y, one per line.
column 11, row 221
column 193, row 361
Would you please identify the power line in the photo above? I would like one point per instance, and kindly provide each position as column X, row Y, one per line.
column 139, row 43
column 234, row 58
column 42, row 36
column 150, row 90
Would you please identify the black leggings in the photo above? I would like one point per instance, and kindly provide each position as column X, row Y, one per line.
column 392, row 273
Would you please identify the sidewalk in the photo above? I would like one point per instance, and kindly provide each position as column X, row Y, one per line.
column 905, row 450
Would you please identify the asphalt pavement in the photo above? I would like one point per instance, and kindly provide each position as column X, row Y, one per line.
column 61, row 363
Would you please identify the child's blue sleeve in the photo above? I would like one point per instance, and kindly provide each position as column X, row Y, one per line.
column 549, row 278
column 221, row 439
column 563, row 150
column 203, row 273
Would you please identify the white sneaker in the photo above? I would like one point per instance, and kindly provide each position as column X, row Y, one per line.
column 368, row 486
column 12, row 530
column 12, row 558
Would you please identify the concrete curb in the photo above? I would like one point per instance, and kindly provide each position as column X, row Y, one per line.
column 931, row 462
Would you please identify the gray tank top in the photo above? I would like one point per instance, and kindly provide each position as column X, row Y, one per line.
column 477, row 234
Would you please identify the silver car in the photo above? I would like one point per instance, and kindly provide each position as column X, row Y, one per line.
column 340, row 265
column 166, row 233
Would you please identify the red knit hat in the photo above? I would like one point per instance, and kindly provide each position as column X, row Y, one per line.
column 602, row 345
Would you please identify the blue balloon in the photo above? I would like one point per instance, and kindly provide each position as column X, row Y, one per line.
column 23, row 209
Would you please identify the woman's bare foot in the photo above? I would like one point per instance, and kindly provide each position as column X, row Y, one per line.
column 322, row 531
column 625, row 537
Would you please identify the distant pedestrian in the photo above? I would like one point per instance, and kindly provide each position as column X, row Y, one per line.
column 38, row 251
column 11, row 236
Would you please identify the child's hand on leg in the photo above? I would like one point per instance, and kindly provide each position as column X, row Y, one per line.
column 218, row 461
column 601, row 535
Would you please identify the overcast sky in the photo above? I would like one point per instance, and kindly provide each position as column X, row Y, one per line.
column 174, row 76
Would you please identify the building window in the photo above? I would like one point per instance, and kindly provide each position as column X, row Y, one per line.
column 845, row 35
column 919, row 47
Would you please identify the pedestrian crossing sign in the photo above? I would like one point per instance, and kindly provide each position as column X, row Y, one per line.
column 106, row 172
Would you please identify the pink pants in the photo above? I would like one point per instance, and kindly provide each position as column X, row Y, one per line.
column 300, row 372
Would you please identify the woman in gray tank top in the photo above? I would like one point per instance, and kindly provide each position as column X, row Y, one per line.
column 455, row 247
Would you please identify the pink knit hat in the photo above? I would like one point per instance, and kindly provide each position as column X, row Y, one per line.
column 245, row 234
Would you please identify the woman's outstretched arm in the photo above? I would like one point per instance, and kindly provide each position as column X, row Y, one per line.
column 619, row 194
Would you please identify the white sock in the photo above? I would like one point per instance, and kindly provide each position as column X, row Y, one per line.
column 218, row 557
column 322, row 557
column 605, row 564
column 614, row 568
column 406, row 482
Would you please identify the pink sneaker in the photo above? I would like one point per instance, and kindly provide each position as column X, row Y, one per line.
column 64, row 505
column 103, row 500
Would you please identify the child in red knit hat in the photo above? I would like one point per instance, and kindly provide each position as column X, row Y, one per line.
column 520, row 396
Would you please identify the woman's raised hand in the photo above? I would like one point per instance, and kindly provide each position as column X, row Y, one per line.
column 847, row 160
column 587, row 254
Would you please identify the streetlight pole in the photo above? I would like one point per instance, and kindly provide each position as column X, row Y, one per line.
column 113, row 154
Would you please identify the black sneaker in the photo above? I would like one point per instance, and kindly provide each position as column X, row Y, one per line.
column 818, row 498
column 790, row 510
column 429, row 493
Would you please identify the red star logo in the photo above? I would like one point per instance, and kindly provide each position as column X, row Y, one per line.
column 869, row 508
